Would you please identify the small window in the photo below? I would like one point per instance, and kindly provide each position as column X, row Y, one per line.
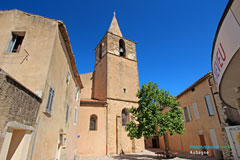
column 68, row 78
column 15, row 42
column 100, row 51
column 124, row 90
column 93, row 123
column 75, row 115
column 77, row 94
column 125, row 117
column 50, row 100
column 209, row 105
column 187, row 114
column 195, row 109
column 122, row 48
column 67, row 111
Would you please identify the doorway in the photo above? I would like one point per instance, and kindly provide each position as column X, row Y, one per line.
column 16, row 144
column 203, row 143
column 155, row 142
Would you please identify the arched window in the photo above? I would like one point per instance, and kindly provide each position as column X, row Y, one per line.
column 122, row 48
column 124, row 117
column 93, row 123
column 100, row 51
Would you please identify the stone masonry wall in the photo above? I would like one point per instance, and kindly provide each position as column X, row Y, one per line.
column 17, row 104
column 227, row 153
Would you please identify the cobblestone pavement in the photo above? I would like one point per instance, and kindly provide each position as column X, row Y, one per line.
column 148, row 155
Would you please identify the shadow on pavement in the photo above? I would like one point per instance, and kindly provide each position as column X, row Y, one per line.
column 135, row 157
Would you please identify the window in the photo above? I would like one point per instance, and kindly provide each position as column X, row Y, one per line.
column 68, row 78
column 50, row 100
column 122, row 48
column 75, row 115
column 67, row 111
column 100, row 51
column 195, row 109
column 15, row 42
column 124, row 117
column 186, row 114
column 93, row 123
column 77, row 94
column 209, row 105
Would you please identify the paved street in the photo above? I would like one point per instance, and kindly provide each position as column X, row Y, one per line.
column 148, row 155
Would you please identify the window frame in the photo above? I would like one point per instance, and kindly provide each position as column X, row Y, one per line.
column 49, row 105
column 75, row 116
column 126, row 120
column 95, row 128
column 68, row 77
column 13, row 41
column 189, row 117
column 67, row 114
column 77, row 96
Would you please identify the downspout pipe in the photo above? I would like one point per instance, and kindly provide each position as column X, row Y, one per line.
column 34, row 139
column 214, row 100
column 106, row 128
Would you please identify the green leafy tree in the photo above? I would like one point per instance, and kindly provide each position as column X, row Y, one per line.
column 148, row 119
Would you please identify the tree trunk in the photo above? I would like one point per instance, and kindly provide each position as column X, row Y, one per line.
column 166, row 145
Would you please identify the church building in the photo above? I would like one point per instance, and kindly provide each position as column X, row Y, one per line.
column 107, row 95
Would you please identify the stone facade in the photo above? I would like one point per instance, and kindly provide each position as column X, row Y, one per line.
column 227, row 153
column 19, row 109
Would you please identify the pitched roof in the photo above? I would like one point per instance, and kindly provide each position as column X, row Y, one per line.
column 64, row 33
column 114, row 27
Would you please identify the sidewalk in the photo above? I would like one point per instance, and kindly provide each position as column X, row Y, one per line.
column 149, row 155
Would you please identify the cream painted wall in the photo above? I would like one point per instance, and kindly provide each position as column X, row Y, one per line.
column 51, row 125
column 91, row 143
column 38, row 43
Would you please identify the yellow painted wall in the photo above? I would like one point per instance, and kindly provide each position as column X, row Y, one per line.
column 181, row 143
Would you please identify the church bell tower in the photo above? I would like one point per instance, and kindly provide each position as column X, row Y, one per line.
column 116, row 71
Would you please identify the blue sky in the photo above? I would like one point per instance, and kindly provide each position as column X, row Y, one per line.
column 174, row 38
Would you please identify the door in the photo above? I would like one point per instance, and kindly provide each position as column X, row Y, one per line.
column 202, row 141
column 154, row 143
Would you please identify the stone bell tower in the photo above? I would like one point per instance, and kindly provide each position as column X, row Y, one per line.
column 115, row 80
column 116, row 71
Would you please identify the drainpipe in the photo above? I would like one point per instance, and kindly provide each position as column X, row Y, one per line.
column 210, row 86
column 34, row 139
column 106, row 128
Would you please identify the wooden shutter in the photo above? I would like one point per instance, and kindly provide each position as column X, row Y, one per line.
column 209, row 105
column 213, row 137
column 195, row 109
column 12, row 43
column 75, row 115
column 50, row 100
column 67, row 113
column 189, row 114
column 183, row 115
